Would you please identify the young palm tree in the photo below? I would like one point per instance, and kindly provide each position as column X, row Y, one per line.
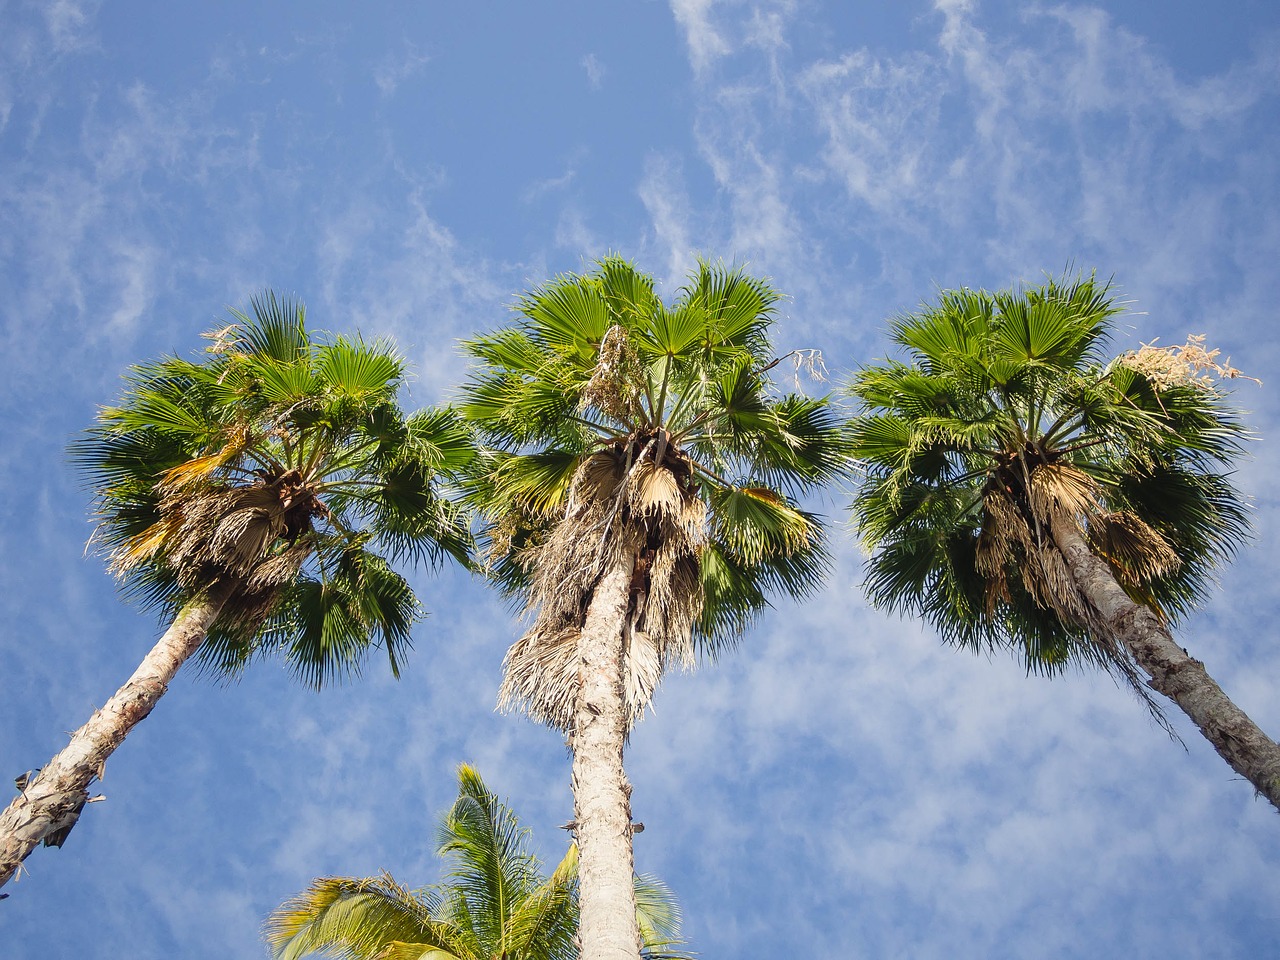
column 256, row 498
column 495, row 901
column 640, row 499
column 1024, row 490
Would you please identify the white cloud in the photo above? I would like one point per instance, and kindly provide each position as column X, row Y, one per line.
column 595, row 70
column 540, row 188
column 575, row 235
column 396, row 270
column 68, row 22
column 395, row 68
column 878, row 119
column 663, row 194
column 135, row 266
column 705, row 43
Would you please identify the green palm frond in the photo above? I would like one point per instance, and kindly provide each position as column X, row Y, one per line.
column 275, row 330
column 547, row 918
column 358, row 370
column 658, row 916
column 492, row 868
column 357, row 918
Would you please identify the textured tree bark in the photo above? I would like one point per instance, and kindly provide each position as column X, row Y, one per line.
column 601, row 794
column 49, row 804
column 1173, row 672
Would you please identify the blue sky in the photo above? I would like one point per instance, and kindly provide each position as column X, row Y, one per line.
column 841, row 785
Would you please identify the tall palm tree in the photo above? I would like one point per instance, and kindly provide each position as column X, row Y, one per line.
column 256, row 498
column 495, row 901
column 641, row 500
column 1025, row 490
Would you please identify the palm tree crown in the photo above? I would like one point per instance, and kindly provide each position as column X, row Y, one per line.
column 1024, row 490
column 641, row 499
column 282, row 470
column 1008, row 418
column 494, row 901
column 621, row 423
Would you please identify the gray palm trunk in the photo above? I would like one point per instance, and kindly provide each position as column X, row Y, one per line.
column 1172, row 671
column 49, row 803
column 602, row 806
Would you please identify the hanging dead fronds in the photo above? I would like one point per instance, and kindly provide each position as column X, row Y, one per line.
column 249, row 535
column 1017, row 541
column 622, row 503
column 1135, row 550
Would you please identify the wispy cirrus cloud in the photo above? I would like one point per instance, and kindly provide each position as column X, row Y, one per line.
column 666, row 200
column 395, row 68
column 595, row 69
column 704, row 40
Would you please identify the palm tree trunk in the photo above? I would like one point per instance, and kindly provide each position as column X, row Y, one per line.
column 49, row 804
column 1174, row 672
column 601, row 794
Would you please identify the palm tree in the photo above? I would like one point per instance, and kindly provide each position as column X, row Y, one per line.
column 495, row 901
column 1023, row 490
column 640, row 495
column 256, row 499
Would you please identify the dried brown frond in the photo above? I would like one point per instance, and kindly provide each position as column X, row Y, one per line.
column 652, row 491
column 1057, row 488
column 674, row 600
column 249, row 536
column 598, row 477
column 1134, row 549
column 278, row 570
column 1017, row 540
column 540, row 676
column 809, row 362
column 1052, row 586
column 145, row 545
column 1004, row 528
column 223, row 340
column 1012, row 540
column 202, row 469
